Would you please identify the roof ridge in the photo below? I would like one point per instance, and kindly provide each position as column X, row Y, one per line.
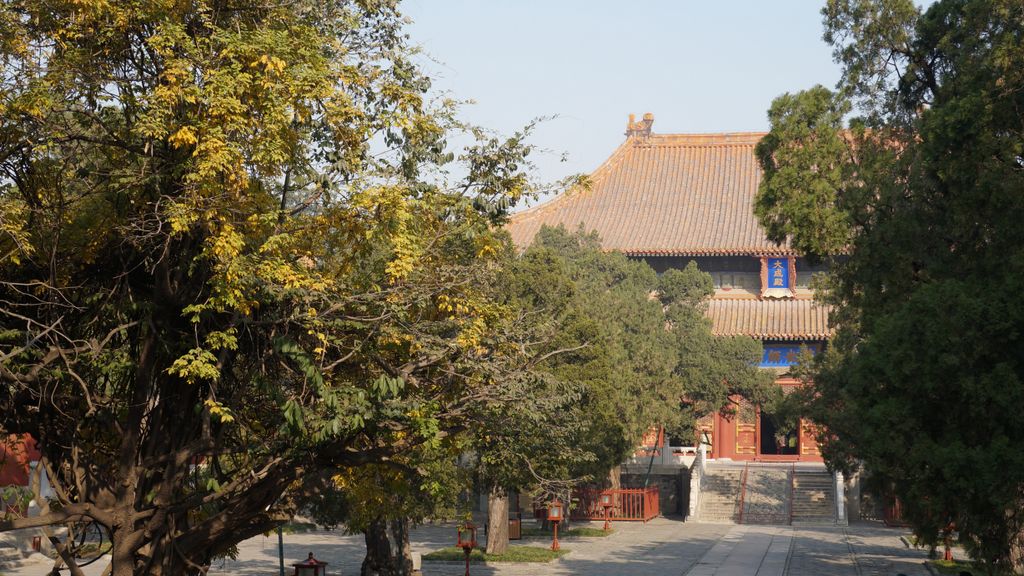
column 703, row 139
column 601, row 171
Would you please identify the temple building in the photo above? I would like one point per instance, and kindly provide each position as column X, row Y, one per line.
column 672, row 198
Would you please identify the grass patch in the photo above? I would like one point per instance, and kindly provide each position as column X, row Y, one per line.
column 956, row 567
column 514, row 554
column 584, row 532
column 589, row 532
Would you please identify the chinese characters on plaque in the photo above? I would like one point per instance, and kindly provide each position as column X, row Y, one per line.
column 778, row 273
column 782, row 355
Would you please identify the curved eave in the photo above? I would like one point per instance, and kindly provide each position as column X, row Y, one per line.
column 779, row 337
column 791, row 319
column 742, row 251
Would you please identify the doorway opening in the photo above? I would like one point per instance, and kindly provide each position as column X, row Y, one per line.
column 776, row 441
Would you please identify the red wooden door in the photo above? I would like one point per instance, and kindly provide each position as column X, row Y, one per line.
column 746, row 438
column 808, row 439
column 746, row 428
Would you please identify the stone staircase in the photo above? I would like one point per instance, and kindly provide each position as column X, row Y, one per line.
column 814, row 500
column 10, row 556
column 766, row 497
column 764, row 493
column 720, row 495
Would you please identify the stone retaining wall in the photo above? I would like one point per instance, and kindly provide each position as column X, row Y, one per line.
column 673, row 486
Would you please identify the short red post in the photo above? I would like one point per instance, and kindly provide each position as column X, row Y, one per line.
column 947, row 541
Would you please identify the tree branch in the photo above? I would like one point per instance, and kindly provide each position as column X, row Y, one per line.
column 544, row 357
column 70, row 513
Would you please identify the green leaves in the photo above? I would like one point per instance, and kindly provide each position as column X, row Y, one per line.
column 295, row 353
column 688, row 287
column 294, row 415
column 872, row 40
column 805, row 160
column 233, row 278
column 18, row 498
column 921, row 200
column 386, row 386
column 633, row 357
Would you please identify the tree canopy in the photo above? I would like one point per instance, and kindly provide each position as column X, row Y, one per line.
column 239, row 265
column 641, row 345
column 917, row 200
column 226, row 275
column 616, row 349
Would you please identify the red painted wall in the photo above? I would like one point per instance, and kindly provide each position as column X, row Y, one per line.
column 16, row 451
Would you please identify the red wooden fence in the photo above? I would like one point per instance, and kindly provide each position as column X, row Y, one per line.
column 636, row 504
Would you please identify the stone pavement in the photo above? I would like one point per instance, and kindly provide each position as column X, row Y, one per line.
column 860, row 550
column 747, row 551
column 662, row 547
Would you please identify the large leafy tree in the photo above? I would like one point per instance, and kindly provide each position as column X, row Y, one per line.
column 622, row 352
column 922, row 196
column 529, row 439
column 638, row 343
column 627, row 348
column 223, row 279
column 649, row 356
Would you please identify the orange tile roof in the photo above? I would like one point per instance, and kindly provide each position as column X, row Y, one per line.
column 670, row 195
column 790, row 319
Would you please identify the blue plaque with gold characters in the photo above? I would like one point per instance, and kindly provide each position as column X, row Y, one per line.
column 778, row 272
column 784, row 355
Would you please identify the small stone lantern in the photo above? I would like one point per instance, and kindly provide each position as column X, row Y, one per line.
column 556, row 513
column 467, row 541
column 606, row 503
column 311, row 567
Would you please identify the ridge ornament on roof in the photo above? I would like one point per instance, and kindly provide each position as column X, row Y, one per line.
column 640, row 129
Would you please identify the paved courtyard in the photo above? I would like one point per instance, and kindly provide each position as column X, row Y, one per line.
column 662, row 547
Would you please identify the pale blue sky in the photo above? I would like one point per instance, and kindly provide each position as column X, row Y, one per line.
column 699, row 66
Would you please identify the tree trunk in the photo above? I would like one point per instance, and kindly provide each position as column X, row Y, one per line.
column 43, row 504
column 66, row 559
column 615, row 478
column 615, row 483
column 388, row 552
column 1017, row 552
column 497, row 520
